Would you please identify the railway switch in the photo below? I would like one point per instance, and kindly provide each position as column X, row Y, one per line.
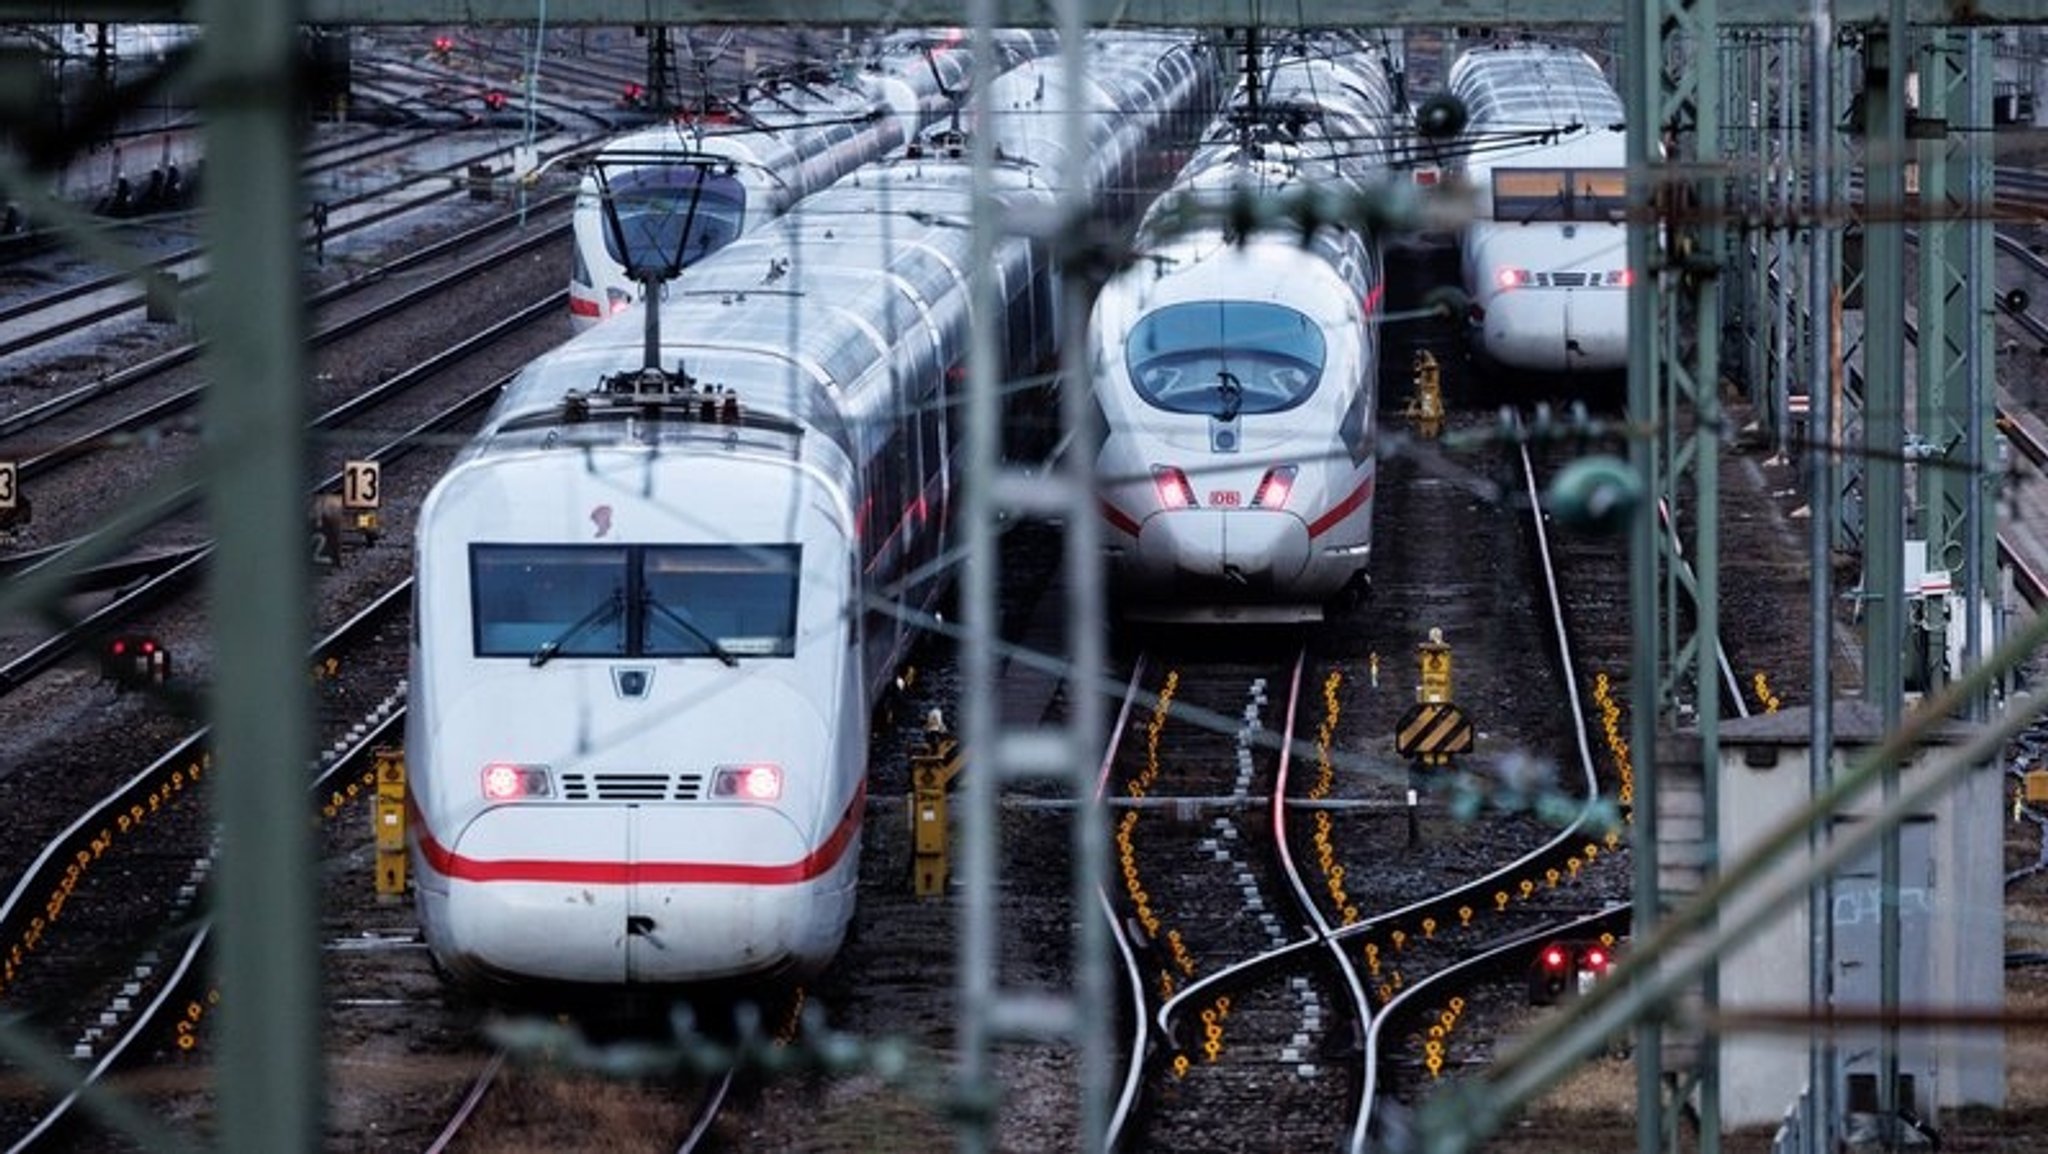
column 135, row 661
column 933, row 766
column 387, row 813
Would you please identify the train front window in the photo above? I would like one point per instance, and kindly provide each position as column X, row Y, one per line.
column 544, row 601
column 1225, row 359
column 672, row 215
column 724, row 601
column 1599, row 194
column 1523, row 195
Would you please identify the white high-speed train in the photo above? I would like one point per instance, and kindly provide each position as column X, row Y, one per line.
column 1545, row 258
column 673, row 194
column 1237, row 375
column 655, row 604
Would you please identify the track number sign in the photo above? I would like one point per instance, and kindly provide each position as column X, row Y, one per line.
column 359, row 485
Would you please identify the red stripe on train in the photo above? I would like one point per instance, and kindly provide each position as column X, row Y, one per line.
column 815, row 864
column 1342, row 509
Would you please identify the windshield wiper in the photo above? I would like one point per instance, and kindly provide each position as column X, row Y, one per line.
column 603, row 613
column 1554, row 200
column 1229, row 395
column 681, row 619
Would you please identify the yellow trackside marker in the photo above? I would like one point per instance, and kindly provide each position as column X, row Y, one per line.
column 1426, row 405
column 933, row 766
column 387, row 813
column 1435, row 658
column 2036, row 783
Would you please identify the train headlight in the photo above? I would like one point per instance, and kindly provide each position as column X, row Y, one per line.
column 506, row 782
column 762, row 782
column 1508, row 278
column 1174, row 490
column 1275, row 488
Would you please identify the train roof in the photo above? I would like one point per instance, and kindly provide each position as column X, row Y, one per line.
column 1324, row 113
column 1530, row 85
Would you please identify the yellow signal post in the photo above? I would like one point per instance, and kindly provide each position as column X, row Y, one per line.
column 387, row 813
column 933, row 766
column 1426, row 403
column 1435, row 658
column 2036, row 783
column 1434, row 728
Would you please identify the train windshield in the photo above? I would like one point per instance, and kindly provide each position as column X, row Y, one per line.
column 1525, row 195
column 545, row 603
column 722, row 600
column 1225, row 358
column 671, row 216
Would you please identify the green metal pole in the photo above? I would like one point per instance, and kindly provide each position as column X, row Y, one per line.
column 259, row 703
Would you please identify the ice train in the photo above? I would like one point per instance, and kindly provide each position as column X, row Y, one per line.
column 681, row 191
column 1545, row 258
column 1237, row 374
column 655, row 603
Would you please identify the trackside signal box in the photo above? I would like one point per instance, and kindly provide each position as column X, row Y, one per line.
column 1567, row 967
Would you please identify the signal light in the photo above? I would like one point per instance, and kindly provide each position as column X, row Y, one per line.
column 443, row 45
column 135, row 660
column 503, row 781
column 1174, row 490
column 1275, row 488
column 762, row 782
column 634, row 94
column 1568, row 967
column 494, row 100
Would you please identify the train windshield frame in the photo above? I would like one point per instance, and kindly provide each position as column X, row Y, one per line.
column 1225, row 358
column 1528, row 195
column 557, row 602
column 655, row 203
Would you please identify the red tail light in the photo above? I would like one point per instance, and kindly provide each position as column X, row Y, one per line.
column 1620, row 278
column 1555, row 957
column 1595, row 959
column 1275, row 488
column 1508, row 278
column 1174, row 490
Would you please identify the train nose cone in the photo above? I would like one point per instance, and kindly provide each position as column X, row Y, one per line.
column 1596, row 330
column 1238, row 549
